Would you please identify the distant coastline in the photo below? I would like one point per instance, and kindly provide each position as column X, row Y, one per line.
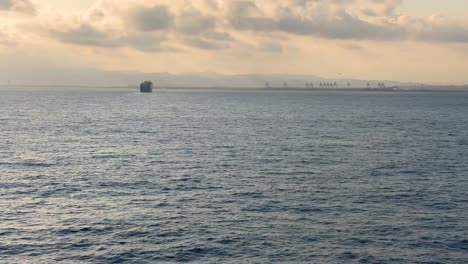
column 298, row 89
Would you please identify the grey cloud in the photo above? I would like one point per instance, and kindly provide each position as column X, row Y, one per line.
column 203, row 44
column 144, row 42
column 219, row 36
column 240, row 18
column 344, row 26
column 254, row 23
column 21, row 6
column 152, row 19
column 444, row 34
column 241, row 8
column 369, row 12
column 6, row 4
column 87, row 35
column 273, row 47
column 148, row 28
column 193, row 23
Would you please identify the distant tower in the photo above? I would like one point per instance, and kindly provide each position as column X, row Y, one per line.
column 311, row 85
column 321, row 84
column 267, row 85
column 306, row 85
column 368, row 85
column 285, row 85
column 349, row 85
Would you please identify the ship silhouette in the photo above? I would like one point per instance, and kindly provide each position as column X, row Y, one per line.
column 146, row 87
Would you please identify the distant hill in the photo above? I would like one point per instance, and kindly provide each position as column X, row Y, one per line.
column 88, row 77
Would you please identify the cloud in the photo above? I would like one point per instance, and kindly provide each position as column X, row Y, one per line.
column 202, row 43
column 6, row 39
column 20, row 6
column 87, row 35
column 312, row 18
column 155, row 18
column 219, row 36
column 445, row 34
column 344, row 26
column 246, row 15
column 159, row 25
column 195, row 23
column 271, row 46
column 338, row 19
column 440, row 29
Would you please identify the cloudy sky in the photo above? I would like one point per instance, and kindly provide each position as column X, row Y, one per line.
column 406, row 40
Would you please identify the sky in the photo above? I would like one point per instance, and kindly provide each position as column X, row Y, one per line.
column 405, row 40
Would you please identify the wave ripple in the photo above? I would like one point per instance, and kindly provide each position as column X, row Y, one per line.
column 106, row 176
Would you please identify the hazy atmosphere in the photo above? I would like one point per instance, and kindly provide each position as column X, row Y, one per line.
column 224, row 131
column 403, row 40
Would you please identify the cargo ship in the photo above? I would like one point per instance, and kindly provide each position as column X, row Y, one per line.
column 146, row 87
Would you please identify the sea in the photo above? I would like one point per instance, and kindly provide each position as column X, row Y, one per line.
column 94, row 175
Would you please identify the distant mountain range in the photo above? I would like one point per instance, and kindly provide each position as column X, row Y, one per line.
column 87, row 77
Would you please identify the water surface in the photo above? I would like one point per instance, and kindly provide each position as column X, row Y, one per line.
column 112, row 176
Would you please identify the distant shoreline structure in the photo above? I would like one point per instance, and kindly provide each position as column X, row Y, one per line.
column 427, row 88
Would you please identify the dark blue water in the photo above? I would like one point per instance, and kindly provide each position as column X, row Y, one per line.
column 114, row 176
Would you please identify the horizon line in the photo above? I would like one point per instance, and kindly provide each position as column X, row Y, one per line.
column 407, row 88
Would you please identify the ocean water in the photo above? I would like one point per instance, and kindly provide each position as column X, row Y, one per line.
column 115, row 176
